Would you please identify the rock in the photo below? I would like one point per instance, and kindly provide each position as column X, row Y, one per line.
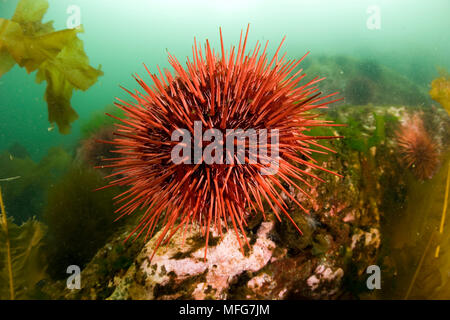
column 341, row 236
column 214, row 275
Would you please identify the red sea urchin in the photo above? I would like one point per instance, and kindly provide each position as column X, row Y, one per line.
column 230, row 91
column 417, row 149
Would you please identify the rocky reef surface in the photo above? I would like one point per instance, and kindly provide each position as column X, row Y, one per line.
column 342, row 235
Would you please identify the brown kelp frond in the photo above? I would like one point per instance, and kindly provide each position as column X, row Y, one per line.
column 58, row 57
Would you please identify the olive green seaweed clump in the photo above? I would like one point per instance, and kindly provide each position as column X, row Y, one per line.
column 359, row 90
column 57, row 56
column 25, row 193
column 22, row 259
column 79, row 219
column 98, row 120
column 17, row 150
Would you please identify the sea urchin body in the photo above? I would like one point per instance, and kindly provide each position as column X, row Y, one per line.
column 417, row 149
column 235, row 91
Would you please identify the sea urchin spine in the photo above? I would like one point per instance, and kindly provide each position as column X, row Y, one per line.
column 232, row 91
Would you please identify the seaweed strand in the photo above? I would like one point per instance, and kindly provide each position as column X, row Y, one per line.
column 8, row 247
column 419, row 266
column 444, row 210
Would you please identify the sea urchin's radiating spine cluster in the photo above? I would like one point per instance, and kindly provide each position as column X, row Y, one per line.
column 233, row 90
column 417, row 149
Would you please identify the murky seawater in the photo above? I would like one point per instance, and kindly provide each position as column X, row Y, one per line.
column 389, row 60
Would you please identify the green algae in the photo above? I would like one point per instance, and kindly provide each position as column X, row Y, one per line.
column 99, row 120
column 79, row 218
column 26, row 195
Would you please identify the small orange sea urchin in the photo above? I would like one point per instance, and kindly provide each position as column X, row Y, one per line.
column 417, row 149
column 233, row 90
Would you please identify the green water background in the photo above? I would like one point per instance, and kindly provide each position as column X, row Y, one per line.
column 121, row 35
